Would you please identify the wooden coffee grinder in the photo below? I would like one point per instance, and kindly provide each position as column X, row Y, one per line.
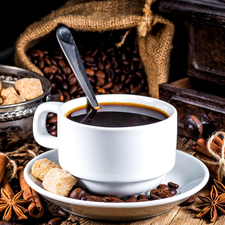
column 199, row 96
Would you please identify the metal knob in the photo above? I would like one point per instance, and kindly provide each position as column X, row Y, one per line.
column 197, row 127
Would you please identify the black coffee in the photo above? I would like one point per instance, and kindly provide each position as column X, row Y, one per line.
column 117, row 115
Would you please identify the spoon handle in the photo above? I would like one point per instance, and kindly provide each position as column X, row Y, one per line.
column 72, row 54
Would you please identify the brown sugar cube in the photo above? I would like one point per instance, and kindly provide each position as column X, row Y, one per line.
column 5, row 92
column 59, row 181
column 29, row 88
column 41, row 167
column 1, row 101
column 13, row 99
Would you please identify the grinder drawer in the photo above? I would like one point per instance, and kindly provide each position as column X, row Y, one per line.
column 199, row 113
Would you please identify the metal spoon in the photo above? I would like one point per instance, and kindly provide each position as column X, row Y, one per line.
column 72, row 54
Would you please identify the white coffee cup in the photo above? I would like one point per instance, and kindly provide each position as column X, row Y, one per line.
column 118, row 161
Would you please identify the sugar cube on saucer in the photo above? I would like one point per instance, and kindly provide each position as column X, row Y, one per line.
column 41, row 167
column 59, row 181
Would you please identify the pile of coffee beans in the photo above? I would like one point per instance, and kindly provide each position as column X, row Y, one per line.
column 111, row 70
column 162, row 191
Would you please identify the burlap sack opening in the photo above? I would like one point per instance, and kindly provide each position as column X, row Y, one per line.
column 154, row 33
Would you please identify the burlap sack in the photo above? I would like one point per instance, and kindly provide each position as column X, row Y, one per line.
column 154, row 33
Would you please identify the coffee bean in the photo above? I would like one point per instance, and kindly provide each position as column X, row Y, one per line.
column 173, row 185
column 108, row 66
column 104, row 58
column 50, row 115
column 138, row 74
column 100, row 73
column 62, row 213
column 95, row 199
column 173, row 191
column 115, row 64
column 64, row 76
column 154, row 197
column 52, row 119
column 58, row 78
column 62, row 63
column 52, row 128
column 66, row 69
column 142, row 197
column 124, row 57
column 111, row 199
column 163, row 186
column 110, row 79
column 122, row 78
column 72, row 89
column 135, row 59
column 107, row 85
column 51, row 77
column 101, row 66
column 110, row 50
column 58, row 56
column 116, row 87
column 101, row 91
column 162, row 193
column 65, row 85
column 79, row 193
column 132, row 65
column 34, row 53
column 100, row 81
column 61, row 96
column 47, row 70
column 80, row 91
column 131, row 199
column 40, row 53
column 55, row 221
column 53, row 133
column 129, row 79
column 140, row 65
column 135, row 90
column 72, row 80
column 66, row 96
column 94, row 53
column 95, row 68
column 89, row 59
column 48, row 61
column 41, row 63
column 90, row 72
column 54, row 69
column 53, row 62
column 189, row 201
column 92, row 80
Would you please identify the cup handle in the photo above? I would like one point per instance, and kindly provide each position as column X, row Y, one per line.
column 40, row 132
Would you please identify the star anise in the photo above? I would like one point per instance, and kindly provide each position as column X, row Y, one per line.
column 11, row 206
column 212, row 204
column 220, row 187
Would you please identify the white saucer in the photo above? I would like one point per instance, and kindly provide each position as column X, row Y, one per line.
column 189, row 172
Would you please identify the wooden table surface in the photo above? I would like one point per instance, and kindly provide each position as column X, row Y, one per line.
column 176, row 216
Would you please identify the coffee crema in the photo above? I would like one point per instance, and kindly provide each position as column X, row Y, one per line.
column 116, row 114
